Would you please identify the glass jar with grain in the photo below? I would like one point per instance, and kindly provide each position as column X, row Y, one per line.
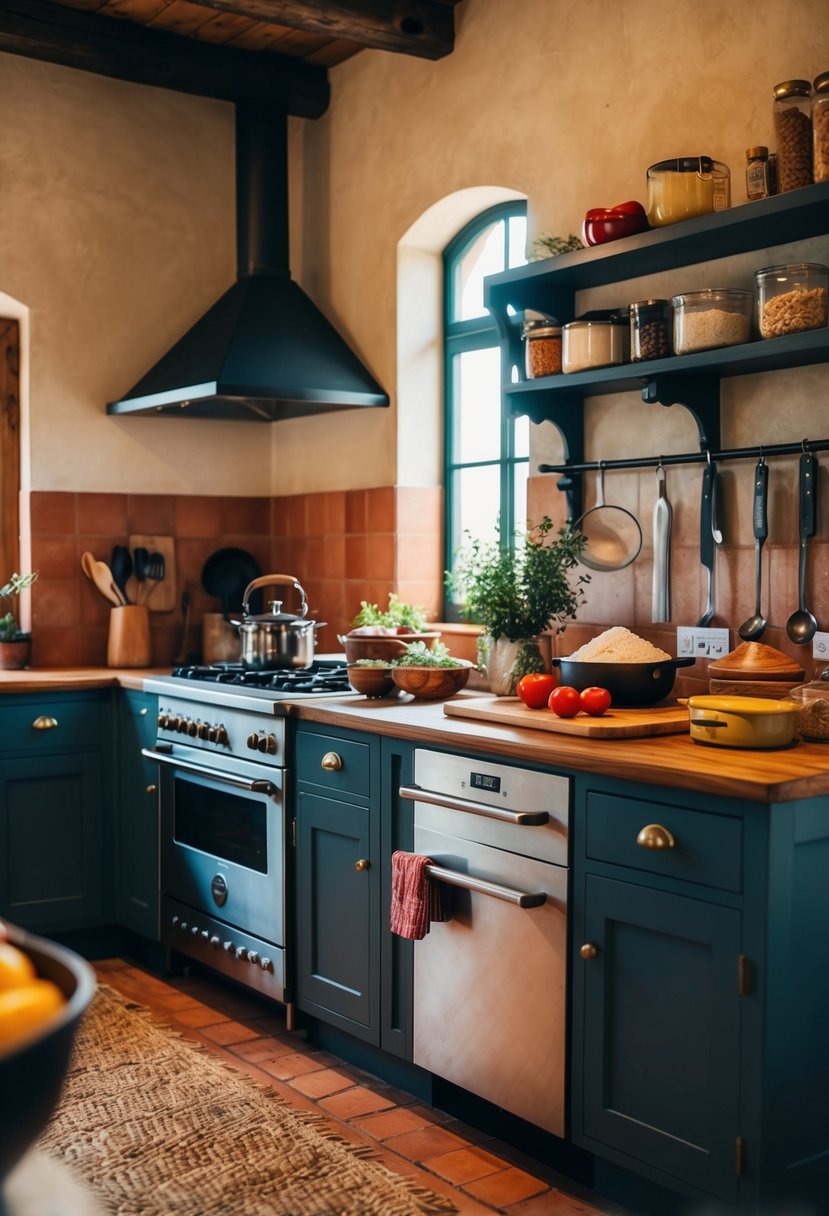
column 704, row 320
column 542, row 348
column 793, row 129
column 791, row 298
column 820, row 127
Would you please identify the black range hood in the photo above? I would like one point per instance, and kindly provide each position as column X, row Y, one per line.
column 264, row 351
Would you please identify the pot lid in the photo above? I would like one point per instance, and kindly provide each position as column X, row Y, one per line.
column 289, row 620
column 745, row 707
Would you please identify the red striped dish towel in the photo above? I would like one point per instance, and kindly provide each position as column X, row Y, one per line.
column 415, row 897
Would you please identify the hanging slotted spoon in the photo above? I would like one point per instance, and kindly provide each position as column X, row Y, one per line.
column 754, row 627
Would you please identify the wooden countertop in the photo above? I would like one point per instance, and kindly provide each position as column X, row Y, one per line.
column 781, row 775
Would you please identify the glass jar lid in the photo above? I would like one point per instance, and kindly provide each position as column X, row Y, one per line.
column 688, row 164
column 713, row 295
column 792, row 88
column 821, row 84
column 540, row 329
column 596, row 324
column 760, row 151
column 791, row 268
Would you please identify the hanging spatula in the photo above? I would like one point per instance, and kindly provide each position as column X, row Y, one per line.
column 662, row 521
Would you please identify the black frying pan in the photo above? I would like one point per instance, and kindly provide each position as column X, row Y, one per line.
column 226, row 574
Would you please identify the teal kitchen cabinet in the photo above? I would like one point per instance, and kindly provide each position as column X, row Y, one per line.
column 137, row 888
column 699, row 1007
column 351, row 973
column 56, row 750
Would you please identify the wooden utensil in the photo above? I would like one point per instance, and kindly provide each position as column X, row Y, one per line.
column 615, row 724
column 100, row 574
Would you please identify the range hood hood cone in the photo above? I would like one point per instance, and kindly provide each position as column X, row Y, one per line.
column 264, row 351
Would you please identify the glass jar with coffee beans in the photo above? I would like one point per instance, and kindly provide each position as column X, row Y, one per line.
column 793, row 128
column 650, row 330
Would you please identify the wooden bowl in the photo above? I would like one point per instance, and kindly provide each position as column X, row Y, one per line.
column 432, row 683
column 756, row 661
column 385, row 647
column 371, row 681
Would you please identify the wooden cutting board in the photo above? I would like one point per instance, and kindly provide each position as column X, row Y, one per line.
column 615, row 724
column 159, row 596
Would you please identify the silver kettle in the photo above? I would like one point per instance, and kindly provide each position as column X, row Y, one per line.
column 276, row 639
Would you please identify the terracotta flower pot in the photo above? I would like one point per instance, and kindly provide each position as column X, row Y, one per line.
column 16, row 653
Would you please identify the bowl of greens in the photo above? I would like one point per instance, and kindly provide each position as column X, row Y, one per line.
column 429, row 675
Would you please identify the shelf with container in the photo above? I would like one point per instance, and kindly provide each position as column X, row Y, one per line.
column 692, row 380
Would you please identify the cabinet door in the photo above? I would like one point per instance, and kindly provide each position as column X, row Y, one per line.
column 337, row 897
column 658, row 1063
column 51, row 861
column 137, row 897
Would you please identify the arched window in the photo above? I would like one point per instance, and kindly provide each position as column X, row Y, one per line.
column 486, row 456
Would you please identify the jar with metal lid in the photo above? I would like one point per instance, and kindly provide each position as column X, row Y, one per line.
column 650, row 330
column 793, row 129
column 791, row 298
column 757, row 185
column 593, row 344
column 542, row 349
column 820, row 127
column 687, row 186
column 704, row 320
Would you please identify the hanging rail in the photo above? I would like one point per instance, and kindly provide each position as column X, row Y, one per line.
column 648, row 462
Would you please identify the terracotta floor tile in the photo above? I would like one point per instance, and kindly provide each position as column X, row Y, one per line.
column 552, row 1203
column 508, row 1186
column 465, row 1165
column 295, row 1064
column 321, row 1084
column 354, row 1102
column 199, row 1016
column 263, row 1048
column 428, row 1142
column 392, row 1123
column 227, row 1033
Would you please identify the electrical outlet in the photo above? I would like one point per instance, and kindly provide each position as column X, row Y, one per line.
column 703, row 643
column 820, row 646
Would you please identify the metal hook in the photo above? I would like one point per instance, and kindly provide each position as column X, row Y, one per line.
column 708, row 455
column 762, row 459
column 803, row 444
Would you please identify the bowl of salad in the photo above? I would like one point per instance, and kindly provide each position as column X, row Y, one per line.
column 429, row 674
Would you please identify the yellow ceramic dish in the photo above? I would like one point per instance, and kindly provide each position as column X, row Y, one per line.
column 742, row 721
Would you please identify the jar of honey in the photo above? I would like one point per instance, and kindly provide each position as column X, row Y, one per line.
column 687, row 186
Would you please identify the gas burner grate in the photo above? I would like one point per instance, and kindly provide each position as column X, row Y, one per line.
column 323, row 676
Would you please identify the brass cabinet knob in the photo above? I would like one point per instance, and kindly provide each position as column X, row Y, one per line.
column 588, row 950
column 362, row 864
column 332, row 762
column 44, row 723
column 151, row 791
column 654, row 836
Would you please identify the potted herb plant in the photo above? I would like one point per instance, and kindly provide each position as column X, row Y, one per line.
column 15, row 645
column 517, row 593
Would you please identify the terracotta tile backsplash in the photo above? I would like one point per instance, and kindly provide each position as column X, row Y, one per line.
column 347, row 546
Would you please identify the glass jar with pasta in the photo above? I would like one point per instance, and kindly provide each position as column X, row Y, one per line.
column 791, row 298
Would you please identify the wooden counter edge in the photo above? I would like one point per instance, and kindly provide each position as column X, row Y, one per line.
column 65, row 679
column 780, row 775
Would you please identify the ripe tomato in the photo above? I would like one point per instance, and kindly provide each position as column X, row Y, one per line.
column 534, row 689
column 595, row 701
column 565, row 701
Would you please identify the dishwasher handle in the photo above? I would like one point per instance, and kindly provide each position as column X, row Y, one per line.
column 523, row 818
column 481, row 886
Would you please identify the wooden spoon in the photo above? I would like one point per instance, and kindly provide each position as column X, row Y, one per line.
column 100, row 574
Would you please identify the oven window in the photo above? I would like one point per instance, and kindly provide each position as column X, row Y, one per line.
column 222, row 824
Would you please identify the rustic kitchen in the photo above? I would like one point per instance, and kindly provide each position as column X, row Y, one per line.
column 326, row 339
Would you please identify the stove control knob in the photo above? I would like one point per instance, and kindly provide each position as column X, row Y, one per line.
column 253, row 741
column 221, row 734
column 183, row 926
column 194, row 929
column 177, row 724
column 253, row 957
column 192, row 729
column 241, row 953
column 174, row 921
column 227, row 947
column 212, row 734
column 265, row 964
column 163, row 721
column 203, row 730
column 214, row 941
column 206, row 934
column 267, row 744
column 182, row 725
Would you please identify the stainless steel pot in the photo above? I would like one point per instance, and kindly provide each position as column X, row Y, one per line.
column 276, row 638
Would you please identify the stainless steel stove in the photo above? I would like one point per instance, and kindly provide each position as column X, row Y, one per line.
column 221, row 749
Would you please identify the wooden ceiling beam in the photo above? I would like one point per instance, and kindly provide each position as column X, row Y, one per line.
column 424, row 28
column 119, row 49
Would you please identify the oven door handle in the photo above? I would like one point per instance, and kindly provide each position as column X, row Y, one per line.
column 480, row 886
column 256, row 786
column 522, row 818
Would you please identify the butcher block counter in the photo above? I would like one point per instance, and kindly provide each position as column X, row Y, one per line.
column 67, row 679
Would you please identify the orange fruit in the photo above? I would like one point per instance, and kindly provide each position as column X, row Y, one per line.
column 27, row 1008
column 15, row 967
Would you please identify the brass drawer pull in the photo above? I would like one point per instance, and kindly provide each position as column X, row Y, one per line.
column 332, row 762
column 151, row 790
column 654, row 836
column 362, row 864
column 44, row 723
column 589, row 951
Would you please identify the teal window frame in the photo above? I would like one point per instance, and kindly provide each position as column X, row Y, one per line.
column 476, row 333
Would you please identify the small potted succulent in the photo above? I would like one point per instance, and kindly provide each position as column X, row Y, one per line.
column 517, row 593
column 15, row 645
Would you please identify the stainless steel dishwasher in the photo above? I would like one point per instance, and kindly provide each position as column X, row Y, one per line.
column 489, row 984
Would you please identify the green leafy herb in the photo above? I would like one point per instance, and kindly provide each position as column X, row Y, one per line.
column 9, row 627
column 418, row 654
column 546, row 246
column 397, row 614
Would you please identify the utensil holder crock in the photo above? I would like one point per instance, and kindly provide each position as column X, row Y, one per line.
column 128, row 644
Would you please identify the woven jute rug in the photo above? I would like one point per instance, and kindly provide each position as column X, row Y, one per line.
column 155, row 1125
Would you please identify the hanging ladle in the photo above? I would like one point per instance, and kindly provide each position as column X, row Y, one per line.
column 613, row 534
column 754, row 627
column 801, row 625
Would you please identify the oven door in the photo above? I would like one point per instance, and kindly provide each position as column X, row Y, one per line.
column 223, row 841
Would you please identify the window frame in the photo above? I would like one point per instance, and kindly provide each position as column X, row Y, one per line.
column 475, row 333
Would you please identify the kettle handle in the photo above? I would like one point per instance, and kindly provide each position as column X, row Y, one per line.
column 269, row 580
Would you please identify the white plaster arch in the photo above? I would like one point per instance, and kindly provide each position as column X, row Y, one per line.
column 419, row 329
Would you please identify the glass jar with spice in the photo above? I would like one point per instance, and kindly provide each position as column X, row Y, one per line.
column 542, row 348
column 650, row 330
column 820, row 127
column 757, row 185
column 793, row 129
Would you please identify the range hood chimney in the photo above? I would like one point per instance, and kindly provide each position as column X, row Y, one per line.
column 264, row 351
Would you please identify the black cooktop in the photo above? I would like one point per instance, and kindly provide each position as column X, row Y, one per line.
column 323, row 676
